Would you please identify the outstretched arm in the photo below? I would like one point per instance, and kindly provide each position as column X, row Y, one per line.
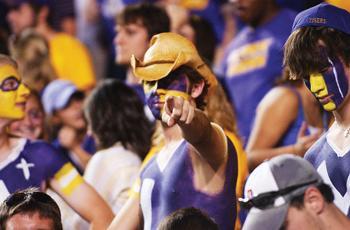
column 208, row 139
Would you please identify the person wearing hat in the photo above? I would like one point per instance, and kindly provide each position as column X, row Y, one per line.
column 26, row 163
column 286, row 192
column 63, row 106
column 198, row 164
column 318, row 51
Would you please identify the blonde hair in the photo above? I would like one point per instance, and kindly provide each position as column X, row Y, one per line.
column 31, row 50
column 7, row 60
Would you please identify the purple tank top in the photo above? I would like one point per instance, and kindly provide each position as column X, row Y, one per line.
column 164, row 191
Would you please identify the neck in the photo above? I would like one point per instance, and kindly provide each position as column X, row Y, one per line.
column 171, row 133
column 45, row 30
column 342, row 115
column 273, row 10
column 334, row 219
column 4, row 138
column 130, row 78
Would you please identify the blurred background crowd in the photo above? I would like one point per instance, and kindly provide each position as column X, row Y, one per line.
column 74, row 56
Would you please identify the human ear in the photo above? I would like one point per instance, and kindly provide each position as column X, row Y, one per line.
column 197, row 89
column 314, row 201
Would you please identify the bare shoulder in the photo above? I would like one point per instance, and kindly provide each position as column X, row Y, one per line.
column 280, row 95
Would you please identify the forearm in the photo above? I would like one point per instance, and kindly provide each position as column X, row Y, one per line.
column 199, row 130
column 83, row 156
column 208, row 139
column 258, row 155
column 128, row 217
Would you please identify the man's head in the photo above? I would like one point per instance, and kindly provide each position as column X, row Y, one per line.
column 172, row 66
column 30, row 209
column 188, row 219
column 318, row 51
column 255, row 12
column 136, row 24
column 24, row 13
column 13, row 93
column 279, row 190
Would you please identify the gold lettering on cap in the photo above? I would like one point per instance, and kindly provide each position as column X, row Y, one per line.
column 318, row 20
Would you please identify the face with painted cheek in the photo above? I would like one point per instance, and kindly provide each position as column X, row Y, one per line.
column 330, row 87
column 156, row 91
column 13, row 94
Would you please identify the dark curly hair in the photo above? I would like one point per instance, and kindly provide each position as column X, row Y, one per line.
column 115, row 113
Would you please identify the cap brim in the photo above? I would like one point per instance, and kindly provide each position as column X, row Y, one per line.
column 267, row 219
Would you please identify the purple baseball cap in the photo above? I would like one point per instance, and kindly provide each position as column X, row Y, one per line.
column 323, row 14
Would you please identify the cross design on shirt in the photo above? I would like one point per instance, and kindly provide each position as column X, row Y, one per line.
column 24, row 165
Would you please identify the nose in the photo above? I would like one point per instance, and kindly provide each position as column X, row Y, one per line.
column 119, row 38
column 23, row 91
column 317, row 83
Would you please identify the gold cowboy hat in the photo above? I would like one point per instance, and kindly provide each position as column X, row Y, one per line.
column 167, row 52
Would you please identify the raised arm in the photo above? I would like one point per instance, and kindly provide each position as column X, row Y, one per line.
column 208, row 138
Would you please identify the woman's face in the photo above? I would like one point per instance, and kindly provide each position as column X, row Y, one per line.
column 32, row 125
column 72, row 115
column 13, row 94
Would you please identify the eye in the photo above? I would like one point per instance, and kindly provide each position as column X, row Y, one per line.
column 9, row 84
column 149, row 85
column 35, row 114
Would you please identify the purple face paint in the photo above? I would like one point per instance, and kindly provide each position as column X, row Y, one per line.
column 156, row 91
column 335, row 80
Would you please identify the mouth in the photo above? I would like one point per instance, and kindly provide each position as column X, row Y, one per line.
column 21, row 104
column 158, row 104
column 325, row 99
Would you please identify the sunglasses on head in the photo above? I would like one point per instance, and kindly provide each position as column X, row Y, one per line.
column 21, row 197
column 267, row 199
column 10, row 84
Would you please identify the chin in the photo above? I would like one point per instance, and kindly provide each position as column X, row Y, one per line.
column 329, row 107
column 14, row 116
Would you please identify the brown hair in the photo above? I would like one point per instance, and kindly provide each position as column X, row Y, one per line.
column 307, row 49
column 152, row 17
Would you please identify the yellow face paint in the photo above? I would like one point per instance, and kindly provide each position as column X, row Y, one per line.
column 319, row 88
column 12, row 102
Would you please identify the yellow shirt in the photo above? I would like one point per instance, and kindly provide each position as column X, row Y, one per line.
column 71, row 61
column 345, row 4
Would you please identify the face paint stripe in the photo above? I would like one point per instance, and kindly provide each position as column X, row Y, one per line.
column 336, row 78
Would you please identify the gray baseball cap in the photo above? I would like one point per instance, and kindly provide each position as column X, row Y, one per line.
column 270, row 188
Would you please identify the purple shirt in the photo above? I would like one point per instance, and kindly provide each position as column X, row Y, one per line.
column 30, row 164
column 164, row 191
